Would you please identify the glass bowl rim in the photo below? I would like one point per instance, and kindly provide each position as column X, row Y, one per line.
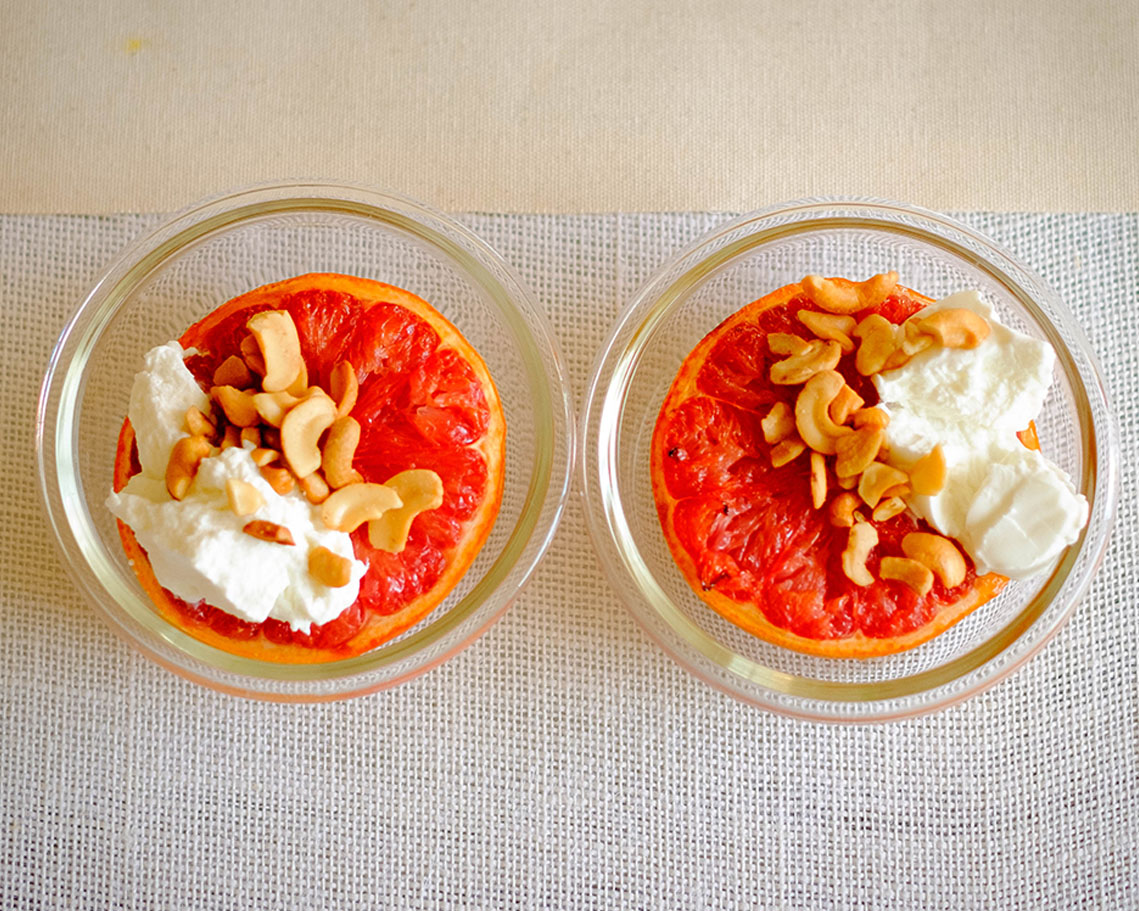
column 697, row 651
column 547, row 485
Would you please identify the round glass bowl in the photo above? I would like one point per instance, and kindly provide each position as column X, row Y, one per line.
column 732, row 266
column 233, row 243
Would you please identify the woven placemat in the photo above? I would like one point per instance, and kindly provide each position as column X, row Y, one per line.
column 562, row 761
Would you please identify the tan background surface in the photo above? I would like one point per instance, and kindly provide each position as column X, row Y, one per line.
column 582, row 106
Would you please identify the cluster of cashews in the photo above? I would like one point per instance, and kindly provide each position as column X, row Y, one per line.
column 829, row 419
column 312, row 432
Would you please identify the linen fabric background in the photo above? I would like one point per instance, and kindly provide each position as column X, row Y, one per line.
column 562, row 761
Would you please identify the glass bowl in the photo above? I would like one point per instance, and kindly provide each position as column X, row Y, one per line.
column 732, row 266
column 227, row 245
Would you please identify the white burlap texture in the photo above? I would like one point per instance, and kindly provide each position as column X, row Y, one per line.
column 562, row 761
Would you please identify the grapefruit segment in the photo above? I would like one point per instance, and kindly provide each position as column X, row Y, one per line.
column 745, row 535
column 425, row 400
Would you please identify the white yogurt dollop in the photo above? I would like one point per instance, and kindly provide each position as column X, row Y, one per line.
column 1013, row 510
column 195, row 545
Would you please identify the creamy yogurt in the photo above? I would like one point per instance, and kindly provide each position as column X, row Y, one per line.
column 1012, row 509
column 196, row 545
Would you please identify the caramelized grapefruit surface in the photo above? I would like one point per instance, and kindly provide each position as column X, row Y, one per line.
column 745, row 535
column 426, row 400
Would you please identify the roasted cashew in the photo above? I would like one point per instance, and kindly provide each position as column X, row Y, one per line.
column 812, row 415
column 911, row 572
column 269, row 531
column 856, row 450
column 879, row 340
column 314, row 487
column 927, row 477
column 244, row 499
column 237, row 405
column 786, row 451
column 280, row 348
column 939, row 554
column 273, row 406
column 279, row 478
column 818, row 480
column 786, row 343
column 779, row 423
column 878, row 480
column 832, row 327
column 870, row 417
column 339, row 450
column 350, row 507
column 955, row 328
column 798, row 368
column 844, row 405
column 842, row 510
column 301, row 430
column 197, row 424
column 344, row 386
column 233, row 371
column 329, row 568
column 182, row 466
column 420, row 489
column 863, row 539
column 887, row 509
column 833, row 297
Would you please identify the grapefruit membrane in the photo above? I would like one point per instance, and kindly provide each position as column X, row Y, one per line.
column 425, row 400
column 746, row 533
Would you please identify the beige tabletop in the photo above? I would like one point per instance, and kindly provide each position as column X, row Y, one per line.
column 573, row 106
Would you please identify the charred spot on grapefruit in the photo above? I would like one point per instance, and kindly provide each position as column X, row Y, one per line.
column 426, row 400
column 745, row 535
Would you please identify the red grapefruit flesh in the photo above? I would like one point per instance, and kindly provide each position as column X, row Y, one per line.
column 745, row 535
column 426, row 400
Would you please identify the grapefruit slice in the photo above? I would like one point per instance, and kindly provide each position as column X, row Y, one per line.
column 745, row 535
column 426, row 400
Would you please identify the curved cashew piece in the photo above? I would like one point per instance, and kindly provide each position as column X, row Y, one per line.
column 855, row 451
column 832, row 327
column 339, row 450
column 914, row 339
column 887, row 509
column 842, row 510
column 863, row 539
column 231, row 437
column 841, row 298
column 314, row 487
column 233, row 371
column 812, row 415
column 845, row 404
column 269, row 531
column 846, row 483
column 301, row 430
column 244, row 499
column 280, row 347
column 350, row 507
column 877, row 480
column 879, row 340
column 818, row 480
column 420, row 489
column 911, row 572
column 273, row 406
column 786, row 343
column 262, row 456
column 197, row 424
column 779, row 423
column 344, row 386
column 182, row 466
column 280, row 479
column 251, row 354
column 927, row 477
column 237, row 405
column 870, row 417
column 939, row 554
column 786, row 451
column 955, row 328
column 329, row 568
column 798, row 368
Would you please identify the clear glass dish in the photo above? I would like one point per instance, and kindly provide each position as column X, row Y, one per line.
column 227, row 245
column 732, row 266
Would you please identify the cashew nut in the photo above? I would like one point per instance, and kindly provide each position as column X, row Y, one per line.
column 262, row 456
column 231, row 437
column 339, row 450
column 280, row 479
column 329, row 568
column 252, row 436
column 251, row 354
column 927, row 477
column 842, row 510
column 914, row 339
column 198, row 424
column 344, row 386
column 863, row 539
column 182, row 466
column 911, row 572
column 876, row 480
column 812, row 415
column 879, row 339
column 350, row 507
column 846, row 483
column 818, row 480
column 798, row 368
column 280, row 348
column 779, row 423
column 870, row 417
column 420, row 489
column 849, row 297
column 856, row 450
column 233, row 372
column 273, row 406
column 244, row 499
column 237, row 405
column 939, row 554
column 786, row 451
column 844, row 405
column 786, row 343
column 955, row 328
column 830, row 326
column 268, row 531
column 887, row 509
column 314, row 487
column 301, row 430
